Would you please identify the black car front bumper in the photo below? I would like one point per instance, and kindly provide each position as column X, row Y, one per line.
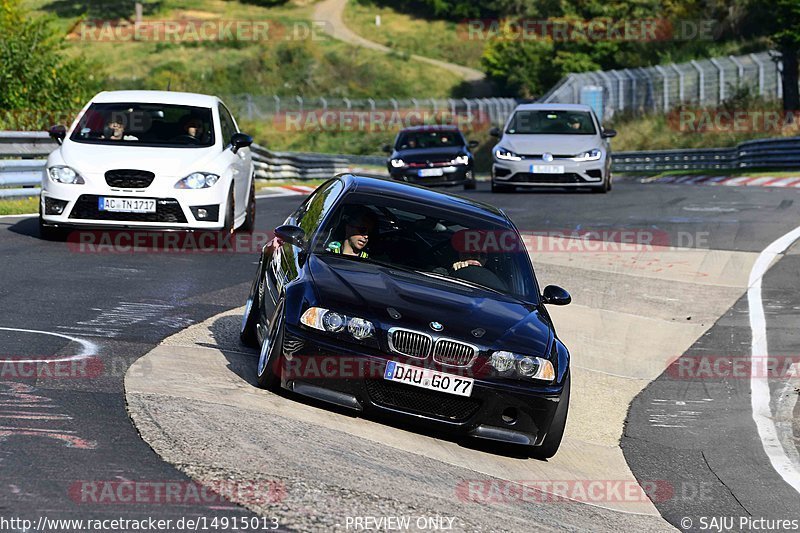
column 352, row 377
column 452, row 175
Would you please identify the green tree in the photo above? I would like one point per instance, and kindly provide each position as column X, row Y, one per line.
column 36, row 79
column 786, row 37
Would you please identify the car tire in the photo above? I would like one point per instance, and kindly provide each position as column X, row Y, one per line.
column 249, row 224
column 230, row 214
column 271, row 347
column 500, row 188
column 49, row 233
column 469, row 181
column 604, row 188
column 247, row 333
column 552, row 441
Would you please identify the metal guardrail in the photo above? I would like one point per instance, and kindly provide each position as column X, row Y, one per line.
column 782, row 152
column 22, row 176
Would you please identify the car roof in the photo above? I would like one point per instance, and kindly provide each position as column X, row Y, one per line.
column 385, row 187
column 430, row 127
column 156, row 97
column 553, row 107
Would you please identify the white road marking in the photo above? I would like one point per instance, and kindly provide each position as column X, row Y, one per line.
column 759, row 385
column 20, row 215
column 89, row 348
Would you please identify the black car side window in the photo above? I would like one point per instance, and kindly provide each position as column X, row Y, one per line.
column 311, row 213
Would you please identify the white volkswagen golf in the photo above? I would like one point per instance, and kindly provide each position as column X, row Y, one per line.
column 149, row 159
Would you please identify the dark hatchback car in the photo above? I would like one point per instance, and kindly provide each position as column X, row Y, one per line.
column 385, row 297
column 431, row 155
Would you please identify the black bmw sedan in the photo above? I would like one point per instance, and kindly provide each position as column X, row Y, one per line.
column 431, row 155
column 391, row 298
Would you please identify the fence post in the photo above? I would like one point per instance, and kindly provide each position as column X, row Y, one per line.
column 324, row 103
column 681, row 85
column 620, row 89
column 757, row 61
column 716, row 63
column 701, row 82
column 277, row 104
column 739, row 70
column 347, row 103
column 300, row 101
column 665, row 86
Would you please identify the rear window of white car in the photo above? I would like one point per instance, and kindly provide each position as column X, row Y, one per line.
column 533, row 122
column 174, row 126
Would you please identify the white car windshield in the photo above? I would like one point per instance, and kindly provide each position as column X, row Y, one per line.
column 532, row 122
column 174, row 126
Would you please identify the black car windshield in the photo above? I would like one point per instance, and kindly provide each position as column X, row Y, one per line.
column 533, row 122
column 432, row 241
column 174, row 126
column 411, row 140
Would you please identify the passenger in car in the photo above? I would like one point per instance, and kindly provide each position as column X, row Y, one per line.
column 115, row 130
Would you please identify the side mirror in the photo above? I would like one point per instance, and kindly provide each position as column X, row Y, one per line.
column 473, row 144
column 386, row 148
column 555, row 295
column 58, row 133
column 293, row 235
column 494, row 132
column 240, row 140
column 607, row 134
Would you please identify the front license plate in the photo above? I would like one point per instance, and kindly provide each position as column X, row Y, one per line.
column 428, row 379
column 547, row 169
column 126, row 205
column 428, row 172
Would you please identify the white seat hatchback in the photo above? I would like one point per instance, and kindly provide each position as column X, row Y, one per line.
column 149, row 159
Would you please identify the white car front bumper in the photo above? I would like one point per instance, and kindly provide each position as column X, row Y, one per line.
column 67, row 205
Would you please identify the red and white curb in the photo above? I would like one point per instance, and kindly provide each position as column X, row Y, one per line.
column 285, row 190
column 729, row 181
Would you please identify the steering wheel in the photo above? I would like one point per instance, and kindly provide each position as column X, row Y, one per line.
column 186, row 138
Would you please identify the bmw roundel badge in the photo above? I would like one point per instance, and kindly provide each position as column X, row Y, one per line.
column 436, row 326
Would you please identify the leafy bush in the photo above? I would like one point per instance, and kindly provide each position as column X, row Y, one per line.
column 36, row 80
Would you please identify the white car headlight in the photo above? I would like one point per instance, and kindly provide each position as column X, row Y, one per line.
column 332, row 322
column 460, row 160
column 524, row 366
column 197, row 180
column 506, row 155
column 591, row 155
column 64, row 175
column 397, row 163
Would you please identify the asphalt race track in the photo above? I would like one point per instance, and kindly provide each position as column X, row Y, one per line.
column 635, row 414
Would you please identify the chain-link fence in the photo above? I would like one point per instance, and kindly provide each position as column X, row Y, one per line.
column 257, row 107
column 708, row 82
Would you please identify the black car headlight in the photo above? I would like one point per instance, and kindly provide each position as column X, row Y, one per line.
column 329, row 321
column 510, row 364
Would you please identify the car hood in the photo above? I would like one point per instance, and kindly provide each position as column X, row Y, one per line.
column 554, row 144
column 368, row 289
column 429, row 154
column 95, row 159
